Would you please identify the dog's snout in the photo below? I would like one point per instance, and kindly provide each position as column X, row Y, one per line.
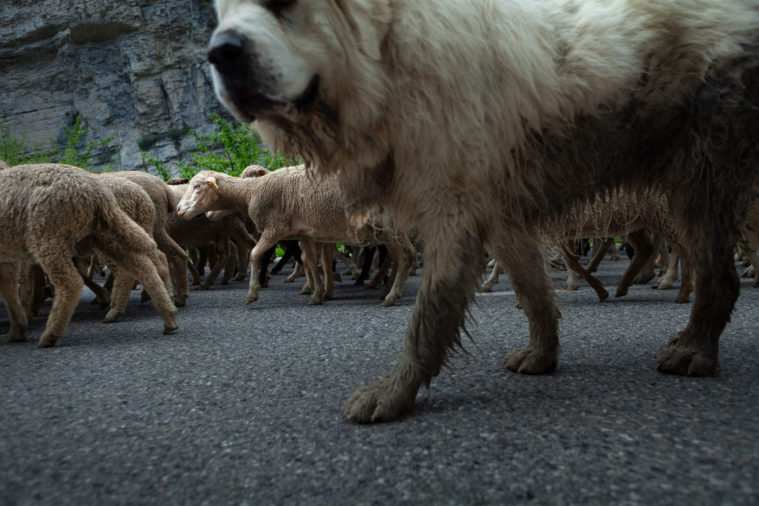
column 227, row 50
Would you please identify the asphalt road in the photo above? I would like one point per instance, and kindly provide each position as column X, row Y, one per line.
column 243, row 405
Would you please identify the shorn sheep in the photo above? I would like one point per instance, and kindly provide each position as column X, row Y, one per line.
column 51, row 213
column 286, row 204
column 472, row 122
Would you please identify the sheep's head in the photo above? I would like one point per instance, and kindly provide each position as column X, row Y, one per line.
column 202, row 195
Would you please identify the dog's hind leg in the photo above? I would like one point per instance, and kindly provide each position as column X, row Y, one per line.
column 694, row 351
column 452, row 267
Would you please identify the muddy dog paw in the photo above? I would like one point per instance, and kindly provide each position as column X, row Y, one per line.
column 530, row 361
column 686, row 361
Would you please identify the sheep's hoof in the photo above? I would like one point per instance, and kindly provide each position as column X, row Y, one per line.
column 180, row 300
column 15, row 337
column 663, row 285
column 379, row 402
column 485, row 288
column 47, row 340
column 677, row 359
column 530, row 361
column 240, row 276
column 252, row 297
column 389, row 301
column 572, row 286
column 315, row 300
column 112, row 316
column 306, row 290
column 170, row 325
column 682, row 299
column 205, row 286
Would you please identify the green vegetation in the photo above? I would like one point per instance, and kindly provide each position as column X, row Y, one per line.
column 15, row 149
column 230, row 148
column 147, row 141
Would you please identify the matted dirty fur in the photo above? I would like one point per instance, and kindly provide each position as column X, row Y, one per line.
column 470, row 122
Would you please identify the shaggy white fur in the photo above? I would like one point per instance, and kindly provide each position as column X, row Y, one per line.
column 473, row 121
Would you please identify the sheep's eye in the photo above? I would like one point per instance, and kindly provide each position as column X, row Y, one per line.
column 196, row 186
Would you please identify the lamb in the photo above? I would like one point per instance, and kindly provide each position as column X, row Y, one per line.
column 287, row 204
column 138, row 205
column 161, row 196
column 51, row 213
column 200, row 231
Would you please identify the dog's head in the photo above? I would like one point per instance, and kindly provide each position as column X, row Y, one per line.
column 278, row 60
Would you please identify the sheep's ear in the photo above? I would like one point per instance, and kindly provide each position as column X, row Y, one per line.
column 211, row 181
column 262, row 172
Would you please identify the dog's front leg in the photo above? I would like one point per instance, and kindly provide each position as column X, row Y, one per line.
column 522, row 260
column 452, row 268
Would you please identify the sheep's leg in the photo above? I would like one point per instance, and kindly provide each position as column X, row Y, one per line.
column 230, row 262
column 178, row 271
column 405, row 255
column 573, row 278
column 9, row 292
column 296, row 273
column 574, row 265
column 666, row 281
column 520, row 258
column 366, row 265
column 600, row 247
column 644, row 251
column 312, row 264
column 218, row 265
column 452, row 268
column 101, row 295
column 243, row 254
column 492, row 280
column 647, row 270
column 753, row 259
column 385, row 260
column 122, row 287
column 68, row 288
column 150, row 274
column 268, row 240
column 308, row 286
column 686, row 285
column 329, row 277
column 194, row 273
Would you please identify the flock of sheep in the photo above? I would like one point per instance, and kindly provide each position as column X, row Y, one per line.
column 61, row 221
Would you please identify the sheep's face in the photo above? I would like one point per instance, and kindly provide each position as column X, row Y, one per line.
column 201, row 195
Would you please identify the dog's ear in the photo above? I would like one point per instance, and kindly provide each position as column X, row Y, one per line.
column 369, row 20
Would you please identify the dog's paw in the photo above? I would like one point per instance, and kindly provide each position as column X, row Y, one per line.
column 685, row 361
column 530, row 361
column 378, row 402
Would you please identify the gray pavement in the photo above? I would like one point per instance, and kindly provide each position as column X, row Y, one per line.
column 243, row 405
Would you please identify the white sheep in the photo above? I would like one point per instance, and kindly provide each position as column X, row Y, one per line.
column 288, row 204
column 51, row 213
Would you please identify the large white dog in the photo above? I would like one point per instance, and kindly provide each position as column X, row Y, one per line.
column 469, row 122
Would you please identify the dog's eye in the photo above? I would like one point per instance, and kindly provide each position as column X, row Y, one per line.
column 278, row 6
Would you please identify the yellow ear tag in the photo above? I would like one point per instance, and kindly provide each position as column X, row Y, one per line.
column 213, row 185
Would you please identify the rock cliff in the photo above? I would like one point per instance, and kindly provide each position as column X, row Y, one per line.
column 134, row 70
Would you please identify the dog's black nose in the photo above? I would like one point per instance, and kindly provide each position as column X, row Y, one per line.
column 227, row 51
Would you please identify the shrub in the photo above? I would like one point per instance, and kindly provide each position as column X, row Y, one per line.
column 15, row 149
column 229, row 148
